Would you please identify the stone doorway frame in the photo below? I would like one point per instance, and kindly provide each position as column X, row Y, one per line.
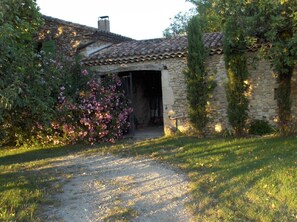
column 167, row 92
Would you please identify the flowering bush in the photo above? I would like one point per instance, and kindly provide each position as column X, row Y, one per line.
column 100, row 112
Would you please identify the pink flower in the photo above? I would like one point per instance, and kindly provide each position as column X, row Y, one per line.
column 100, row 113
column 84, row 72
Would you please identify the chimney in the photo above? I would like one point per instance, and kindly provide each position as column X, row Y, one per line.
column 103, row 24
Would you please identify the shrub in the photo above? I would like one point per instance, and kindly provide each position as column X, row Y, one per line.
column 98, row 113
column 260, row 127
column 25, row 100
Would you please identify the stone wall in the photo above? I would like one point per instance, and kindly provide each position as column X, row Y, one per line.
column 175, row 103
column 218, row 104
column 262, row 82
column 263, row 104
column 173, row 88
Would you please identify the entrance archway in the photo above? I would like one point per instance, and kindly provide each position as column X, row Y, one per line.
column 144, row 89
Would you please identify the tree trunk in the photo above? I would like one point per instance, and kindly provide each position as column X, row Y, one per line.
column 284, row 99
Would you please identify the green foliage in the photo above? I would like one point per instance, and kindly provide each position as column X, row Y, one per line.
column 277, row 24
column 49, row 46
column 210, row 15
column 24, row 88
column 98, row 112
column 179, row 24
column 284, row 99
column 260, row 127
column 31, row 81
column 265, row 21
column 31, row 110
column 199, row 85
column 236, row 66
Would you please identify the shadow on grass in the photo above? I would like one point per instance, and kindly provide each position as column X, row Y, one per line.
column 24, row 179
column 23, row 189
column 36, row 154
column 222, row 171
column 225, row 171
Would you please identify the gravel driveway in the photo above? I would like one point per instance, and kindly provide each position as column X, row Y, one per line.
column 110, row 188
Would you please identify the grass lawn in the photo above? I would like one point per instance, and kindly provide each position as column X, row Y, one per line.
column 231, row 180
column 26, row 177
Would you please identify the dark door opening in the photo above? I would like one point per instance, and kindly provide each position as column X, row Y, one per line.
column 144, row 88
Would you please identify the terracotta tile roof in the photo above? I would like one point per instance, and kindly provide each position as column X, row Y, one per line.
column 91, row 32
column 111, row 37
column 49, row 18
column 152, row 49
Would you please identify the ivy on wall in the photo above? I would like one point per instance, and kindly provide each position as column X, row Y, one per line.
column 278, row 23
column 237, row 73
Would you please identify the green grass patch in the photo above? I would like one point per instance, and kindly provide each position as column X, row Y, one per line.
column 231, row 180
column 26, row 178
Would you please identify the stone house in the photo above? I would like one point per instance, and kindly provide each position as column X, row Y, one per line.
column 68, row 37
column 152, row 72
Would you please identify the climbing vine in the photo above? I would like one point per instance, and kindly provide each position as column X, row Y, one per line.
column 199, row 85
column 237, row 73
column 277, row 22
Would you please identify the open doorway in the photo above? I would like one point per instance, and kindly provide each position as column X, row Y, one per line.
column 144, row 88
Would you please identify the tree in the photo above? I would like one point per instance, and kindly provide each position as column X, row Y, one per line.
column 210, row 18
column 31, row 84
column 28, row 86
column 272, row 22
column 179, row 24
column 277, row 25
column 199, row 85
column 210, row 14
